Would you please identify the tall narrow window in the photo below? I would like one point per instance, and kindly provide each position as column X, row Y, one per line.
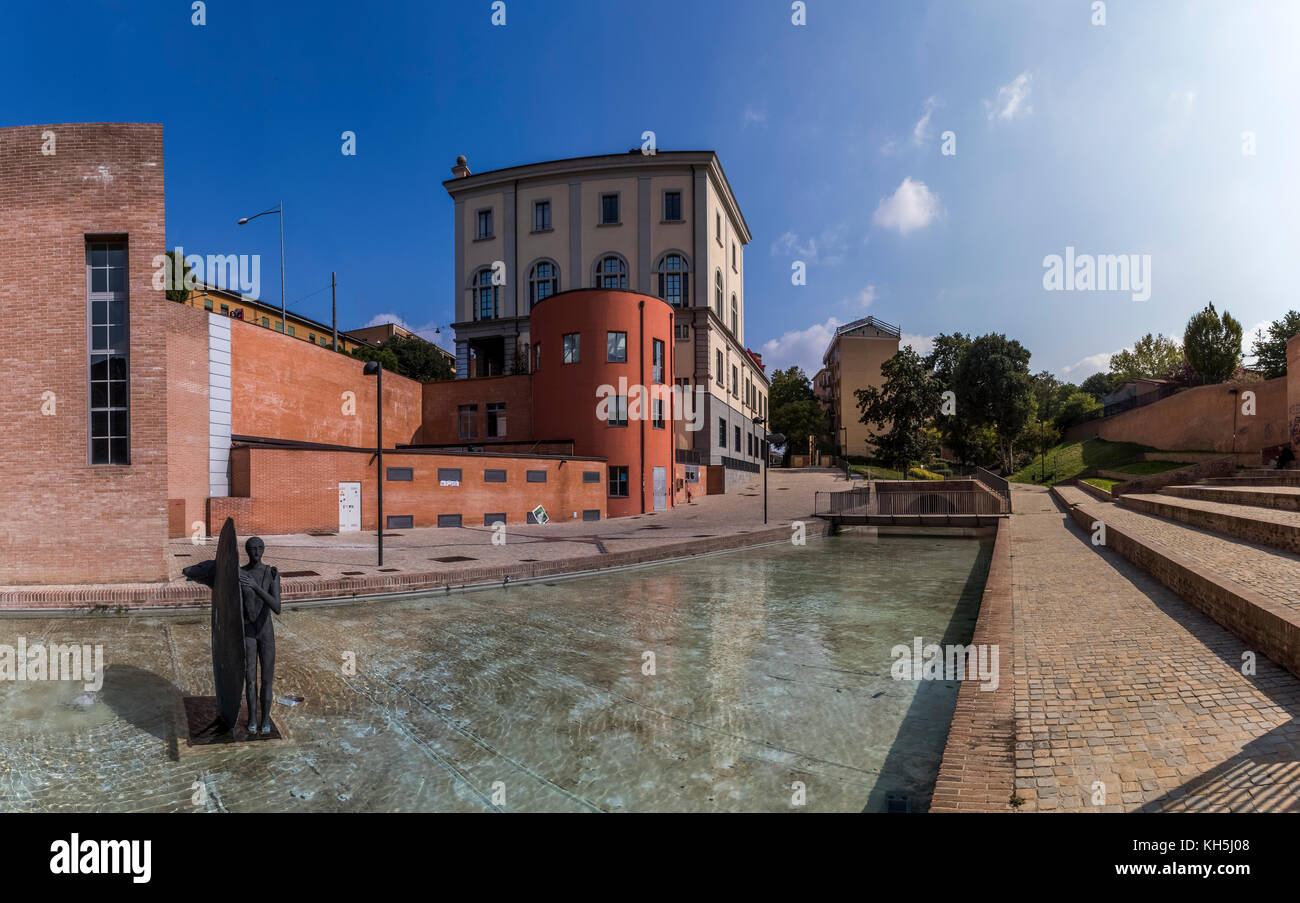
column 658, row 354
column 542, row 216
column 618, row 411
column 672, row 280
column 722, row 433
column 618, row 482
column 485, row 223
column 467, row 416
column 616, row 347
column 717, row 293
column 735, row 317
column 719, row 226
column 496, row 420
column 572, row 347
column 108, row 321
column 721, row 377
column 609, row 210
column 543, row 281
column 672, row 206
column 487, row 296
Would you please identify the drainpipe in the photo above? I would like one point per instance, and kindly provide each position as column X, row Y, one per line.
column 641, row 314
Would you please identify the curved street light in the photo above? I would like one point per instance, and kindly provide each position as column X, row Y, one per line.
column 278, row 211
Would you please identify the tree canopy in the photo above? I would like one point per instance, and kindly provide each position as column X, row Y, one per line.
column 908, row 402
column 1212, row 345
column 1152, row 357
column 1270, row 346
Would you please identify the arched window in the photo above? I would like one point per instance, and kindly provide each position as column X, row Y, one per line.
column 543, row 281
column 717, row 295
column 673, row 287
column 611, row 272
column 487, row 297
column 735, row 316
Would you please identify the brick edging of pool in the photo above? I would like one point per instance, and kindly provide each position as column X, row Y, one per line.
column 978, row 770
column 19, row 600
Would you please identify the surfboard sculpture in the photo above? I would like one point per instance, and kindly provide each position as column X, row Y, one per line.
column 227, row 629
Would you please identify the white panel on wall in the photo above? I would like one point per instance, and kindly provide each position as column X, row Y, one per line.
column 219, row 398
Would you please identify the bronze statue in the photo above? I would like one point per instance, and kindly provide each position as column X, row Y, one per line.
column 260, row 587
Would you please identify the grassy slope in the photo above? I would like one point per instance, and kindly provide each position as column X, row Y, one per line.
column 1068, row 460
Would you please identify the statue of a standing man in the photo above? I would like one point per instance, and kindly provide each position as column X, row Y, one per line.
column 260, row 591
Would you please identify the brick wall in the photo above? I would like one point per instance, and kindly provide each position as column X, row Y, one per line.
column 63, row 520
column 442, row 401
column 187, row 417
column 1293, row 392
column 285, row 388
column 296, row 491
column 1200, row 419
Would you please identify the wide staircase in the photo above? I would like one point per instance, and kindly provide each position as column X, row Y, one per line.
column 1228, row 545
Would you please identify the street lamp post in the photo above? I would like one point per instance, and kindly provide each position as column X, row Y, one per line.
column 373, row 368
column 1042, row 451
column 278, row 211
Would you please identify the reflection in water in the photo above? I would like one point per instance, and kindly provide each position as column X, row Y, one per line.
column 771, row 666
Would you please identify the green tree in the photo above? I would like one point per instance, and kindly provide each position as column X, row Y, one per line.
column 1213, row 345
column 958, row 433
column 386, row 358
column 996, row 389
column 1270, row 348
column 794, row 410
column 1152, row 357
column 419, row 359
column 1099, row 385
column 176, row 290
column 1076, row 407
column 908, row 401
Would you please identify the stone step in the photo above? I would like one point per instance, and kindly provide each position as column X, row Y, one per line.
column 1251, row 589
column 1280, row 498
column 1269, row 478
column 1266, row 526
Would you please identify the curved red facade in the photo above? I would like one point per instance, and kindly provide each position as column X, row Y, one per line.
column 567, row 397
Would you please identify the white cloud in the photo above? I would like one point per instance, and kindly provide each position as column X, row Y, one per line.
column 828, row 248
column 864, row 298
column 912, row 206
column 803, row 348
column 1093, row 363
column 755, row 116
column 428, row 332
column 1013, row 99
column 921, row 131
column 921, row 344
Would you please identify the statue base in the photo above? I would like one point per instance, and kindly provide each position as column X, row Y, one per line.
column 196, row 728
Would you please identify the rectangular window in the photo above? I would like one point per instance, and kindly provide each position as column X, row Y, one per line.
column 494, row 476
column 496, row 420
column 609, row 210
column 733, row 255
column 682, row 331
column 591, row 514
column 721, row 370
column 572, row 347
column 225, row 309
column 591, row 476
column 401, row 474
column 207, row 304
column 616, row 347
column 448, row 520
column 108, row 324
column 735, row 381
column 749, row 444
column 737, row 438
column 618, row 483
column 266, row 321
column 722, row 433
column 467, row 416
column 537, row 476
column 657, row 406
column 400, row 522
column 542, row 216
column 673, row 206
column 448, row 475
column 719, row 228
column 485, row 223
column 658, row 357
column 290, row 330
column 618, row 411
column 490, row 519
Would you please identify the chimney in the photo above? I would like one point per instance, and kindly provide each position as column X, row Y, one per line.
column 460, row 170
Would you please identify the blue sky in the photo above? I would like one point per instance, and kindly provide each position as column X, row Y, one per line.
column 1124, row 138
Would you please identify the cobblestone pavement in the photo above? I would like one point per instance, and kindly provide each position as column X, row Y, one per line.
column 1268, row 515
column 790, row 497
column 1271, row 572
column 1119, row 681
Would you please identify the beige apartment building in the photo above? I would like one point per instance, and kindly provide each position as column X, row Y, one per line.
column 852, row 361
column 664, row 225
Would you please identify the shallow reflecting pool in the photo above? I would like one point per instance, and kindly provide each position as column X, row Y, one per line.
column 769, row 667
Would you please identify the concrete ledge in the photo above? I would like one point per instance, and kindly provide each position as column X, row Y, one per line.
column 1263, row 624
column 978, row 770
column 1193, row 473
column 1095, row 491
column 310, row 589
column 1260, row 497
column 1263, row 529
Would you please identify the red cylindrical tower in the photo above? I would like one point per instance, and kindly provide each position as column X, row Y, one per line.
column 602, row 376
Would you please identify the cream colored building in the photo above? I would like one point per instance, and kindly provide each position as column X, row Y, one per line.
column 852, row 362
column 665, row 225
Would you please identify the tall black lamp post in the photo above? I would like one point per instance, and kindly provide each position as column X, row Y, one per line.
column 373, row 368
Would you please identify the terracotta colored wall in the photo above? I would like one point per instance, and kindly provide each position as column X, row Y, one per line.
column 442, row 401
column 296, row 491
column 283, row 388
column 1293, row 391
column 1201, row 419
column 72, row 522
column 187, row 417
column 564, row 395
